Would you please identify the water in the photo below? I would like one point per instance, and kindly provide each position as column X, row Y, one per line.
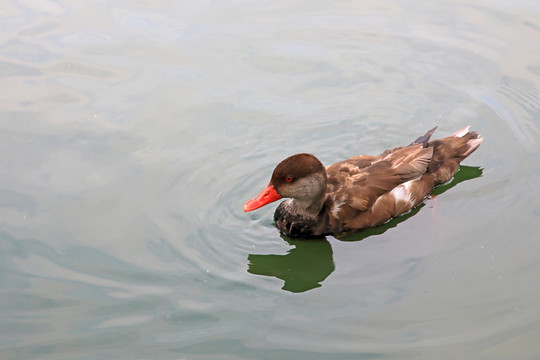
column 133, row 132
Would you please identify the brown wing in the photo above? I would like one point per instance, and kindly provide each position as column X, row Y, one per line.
column 354, row 189
column 352, row 165
column 435, row 167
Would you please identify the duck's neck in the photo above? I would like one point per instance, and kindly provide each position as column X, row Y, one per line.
column 310, row 207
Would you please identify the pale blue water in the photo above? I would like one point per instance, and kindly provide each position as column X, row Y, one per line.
column 133, row 132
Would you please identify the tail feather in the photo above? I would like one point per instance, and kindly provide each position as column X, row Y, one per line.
column 448, row 152
column 472, row 145
column 424, row 139
column 461, row 132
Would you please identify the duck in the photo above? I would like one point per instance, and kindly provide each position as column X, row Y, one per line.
column 363, row 191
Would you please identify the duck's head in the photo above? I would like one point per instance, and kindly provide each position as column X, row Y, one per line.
column 301, row 177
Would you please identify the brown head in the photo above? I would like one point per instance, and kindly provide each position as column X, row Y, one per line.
column 301, row 177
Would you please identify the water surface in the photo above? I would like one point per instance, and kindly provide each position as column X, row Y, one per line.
column 133, row 132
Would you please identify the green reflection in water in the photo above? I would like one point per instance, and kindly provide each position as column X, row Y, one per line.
column 310, row 262
column 464, row 173
column 302, row 268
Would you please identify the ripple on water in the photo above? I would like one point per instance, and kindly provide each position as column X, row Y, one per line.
column 135, row 133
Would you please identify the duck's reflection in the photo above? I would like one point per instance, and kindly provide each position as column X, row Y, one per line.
column 302, row 268
column 310, row 262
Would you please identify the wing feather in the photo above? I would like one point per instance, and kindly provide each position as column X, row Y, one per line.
column 359, row 188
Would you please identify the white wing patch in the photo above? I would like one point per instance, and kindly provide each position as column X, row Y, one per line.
column 403, row 192
column 338, row 204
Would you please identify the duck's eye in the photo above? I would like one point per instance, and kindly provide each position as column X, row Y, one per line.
column 288, row 179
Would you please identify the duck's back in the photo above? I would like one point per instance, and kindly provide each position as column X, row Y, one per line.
column 366, row 191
